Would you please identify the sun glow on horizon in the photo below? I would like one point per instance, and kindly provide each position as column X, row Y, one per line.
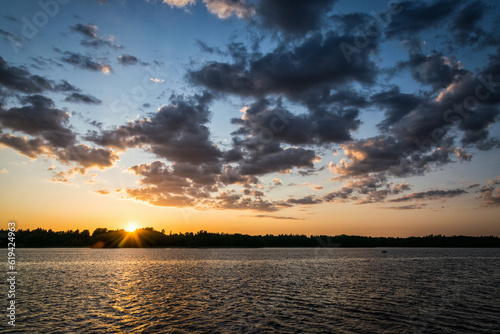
column 131, row 228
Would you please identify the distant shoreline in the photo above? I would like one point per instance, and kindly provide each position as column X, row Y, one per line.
column 149, row 238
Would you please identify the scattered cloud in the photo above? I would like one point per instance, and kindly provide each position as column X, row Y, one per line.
column 82, row 98
column 277, row 217
column 126, row 59
column 86, row 62
column 156, row 80
column 430, row 195
column 92, row 39
column 226, row 8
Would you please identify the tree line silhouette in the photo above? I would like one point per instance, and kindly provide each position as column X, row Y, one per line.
column 149, row 237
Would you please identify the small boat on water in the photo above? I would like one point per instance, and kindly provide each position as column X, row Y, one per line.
column 384, row 251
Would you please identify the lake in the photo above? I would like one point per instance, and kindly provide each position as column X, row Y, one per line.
column 280, row 290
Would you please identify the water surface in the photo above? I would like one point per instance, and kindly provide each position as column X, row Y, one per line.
column 320, row 290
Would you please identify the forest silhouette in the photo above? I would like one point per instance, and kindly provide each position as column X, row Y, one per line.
column 149, row 237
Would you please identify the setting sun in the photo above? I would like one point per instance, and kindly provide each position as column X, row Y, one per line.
column 131, row 228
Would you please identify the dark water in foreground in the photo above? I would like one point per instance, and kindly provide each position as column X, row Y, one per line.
column 256, row 291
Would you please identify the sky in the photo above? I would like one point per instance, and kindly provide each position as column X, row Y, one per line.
column 329, row 117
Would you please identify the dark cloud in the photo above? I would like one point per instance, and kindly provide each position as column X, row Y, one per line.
column 418, row 16
column 126, row 59
column 191, row 185
column 65, row 86
column 39, row 117
column 88, row 30
column 347, row 23
column 307, row 200
column 396, row 105
column 19, row 79
column 293, row 16
column 288, row 69
column 82, row 98
column 475, row 128
column 85, row 62
column 88, row 157
column 430, row 195
column 52, row 134
column 279, row 160
column 177, row 132
column 466, row 25
column 91, row 39
column 252, row 192
column 405, row 207
column 228, row 201
column 208, row 49
column 435, row 70
column 31, row 148
column 261, row 120
column 371, row 188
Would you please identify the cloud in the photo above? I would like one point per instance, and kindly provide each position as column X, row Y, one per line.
column 4, row 171
column 88, row 157
column 289, row 69
column 293, row 17
column 250, row 192
column 430, row 195
column 39, row 117
column 85, row 62
column 405, row 207
column 179, row 3
column 60, row 177
column 317, row 127
column 371, row 188
column 227, row 201
column 467, row 25
column 156, row 80
column 418, row 16
column 225, row 8
column 177, row 132
column 277, row 217
column 91, row 39
column 88, row 30
column 194, row 186
column 279, row 160
column 82, row 98
column 51, row 132
column 16, row 40
column 31, row 148
column 490, row 194
column 126, row 59
column 387, row 154
column 19, row 79
column 396, row 105
column 435, row 70
column 307, row 200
